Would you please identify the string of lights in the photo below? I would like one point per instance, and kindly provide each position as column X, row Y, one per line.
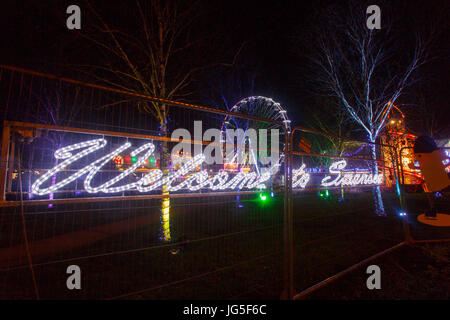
column 192, row 181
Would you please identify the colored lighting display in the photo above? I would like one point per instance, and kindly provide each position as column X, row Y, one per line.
column 118, row 160
column 190, row 179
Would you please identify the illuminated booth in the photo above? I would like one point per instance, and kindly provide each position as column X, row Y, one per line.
column 396, row 135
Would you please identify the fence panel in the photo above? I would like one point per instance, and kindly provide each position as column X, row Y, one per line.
column 328, row 204
column 128, row 244
column 343, row 211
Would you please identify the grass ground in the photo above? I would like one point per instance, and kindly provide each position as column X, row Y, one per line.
column 412, row 272
column 220, row 250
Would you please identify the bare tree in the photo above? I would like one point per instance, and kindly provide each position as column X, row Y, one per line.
column 57, row 108
column 158, row 58
column 365, row 70
column 329, row 118
column 425, row 114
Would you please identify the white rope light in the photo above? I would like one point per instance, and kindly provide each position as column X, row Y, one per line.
column 194, row 182
column 304, row 177
column 65, row 153
column 104, row 187
column 349, row 178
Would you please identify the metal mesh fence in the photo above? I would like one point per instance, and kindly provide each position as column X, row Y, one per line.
column 215, row 253
column 342, row 212
column 206, row 244
column 337, row 206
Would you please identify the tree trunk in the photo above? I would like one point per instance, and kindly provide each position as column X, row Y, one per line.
column 164, row 166
column 50, row 196
column 376, row 192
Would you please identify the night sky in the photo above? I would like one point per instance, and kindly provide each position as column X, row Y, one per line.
column 35, row 37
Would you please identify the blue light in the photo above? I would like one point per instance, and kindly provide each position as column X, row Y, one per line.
column 402, row 214
column 398, row 189
column 272, row 195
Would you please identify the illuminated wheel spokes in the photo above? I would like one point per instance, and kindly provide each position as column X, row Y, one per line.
column 260, row 107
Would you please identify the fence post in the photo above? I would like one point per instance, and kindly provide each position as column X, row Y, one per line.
column 406, row 229
column 4, row 159
column 288, row 223
column 291, row 218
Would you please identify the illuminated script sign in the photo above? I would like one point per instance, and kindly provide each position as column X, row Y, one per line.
column 187, row 177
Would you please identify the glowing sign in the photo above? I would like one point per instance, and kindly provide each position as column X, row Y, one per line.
column 349, row 178
column 191, row 179
column 300, row 177
column 149, row 182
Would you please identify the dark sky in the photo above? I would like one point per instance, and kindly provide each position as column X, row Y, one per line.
column 34, row 36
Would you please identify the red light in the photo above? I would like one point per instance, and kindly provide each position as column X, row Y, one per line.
column 118, row 160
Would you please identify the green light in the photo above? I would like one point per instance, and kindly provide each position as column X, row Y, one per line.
column 324, row 193
column 151, row 160
column 133, row 159
column 262, row 196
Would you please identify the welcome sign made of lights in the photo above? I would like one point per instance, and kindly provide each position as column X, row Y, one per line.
column 75, row 164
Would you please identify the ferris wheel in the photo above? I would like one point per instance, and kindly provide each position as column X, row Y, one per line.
column 261, row 107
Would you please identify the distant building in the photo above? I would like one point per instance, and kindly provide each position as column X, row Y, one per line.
column 396, row 135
